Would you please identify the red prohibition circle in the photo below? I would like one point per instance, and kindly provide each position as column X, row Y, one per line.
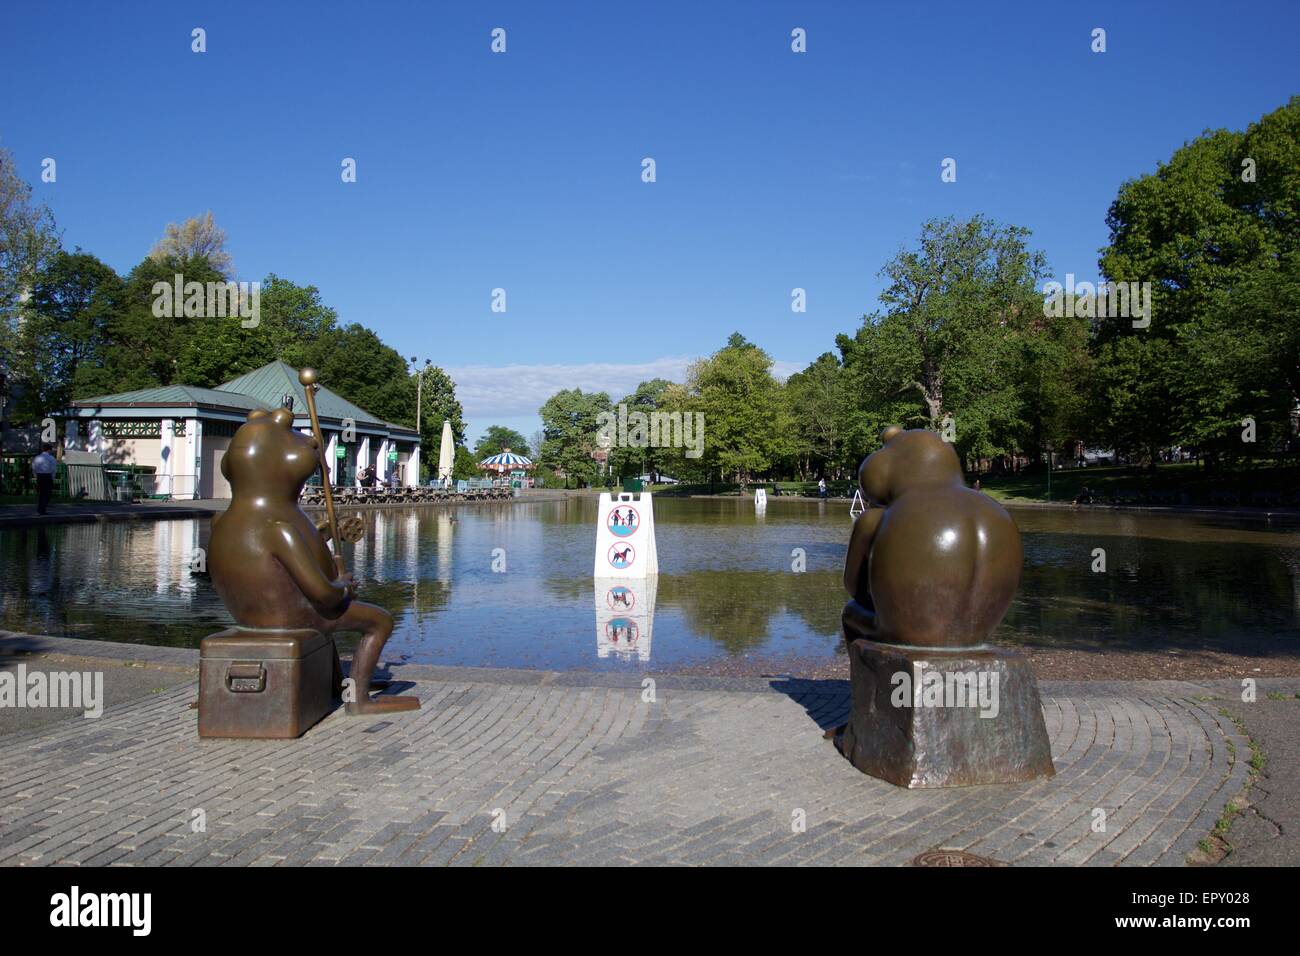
column 615, row 606
column 623, row 530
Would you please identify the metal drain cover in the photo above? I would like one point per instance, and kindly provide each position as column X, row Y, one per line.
column 953, row 858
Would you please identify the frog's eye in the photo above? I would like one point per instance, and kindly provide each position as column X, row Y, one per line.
column 282, row 417
column 257, row 413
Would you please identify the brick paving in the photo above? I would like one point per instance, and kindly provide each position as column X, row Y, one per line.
column 523, row 767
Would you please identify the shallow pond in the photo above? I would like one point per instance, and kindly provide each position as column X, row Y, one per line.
column 726, row 584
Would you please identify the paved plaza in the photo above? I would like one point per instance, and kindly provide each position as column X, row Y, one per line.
column 527, row 767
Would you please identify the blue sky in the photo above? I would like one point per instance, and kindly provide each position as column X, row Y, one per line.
column 522, row 170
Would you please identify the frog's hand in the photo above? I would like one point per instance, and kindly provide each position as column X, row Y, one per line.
column 860, row 541
column 299, row 558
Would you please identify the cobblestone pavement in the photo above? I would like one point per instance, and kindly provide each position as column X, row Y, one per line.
column 543, row 768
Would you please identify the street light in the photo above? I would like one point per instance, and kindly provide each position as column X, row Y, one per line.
column 419, row 388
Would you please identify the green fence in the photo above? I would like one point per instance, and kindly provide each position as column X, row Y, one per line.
column 17, row 480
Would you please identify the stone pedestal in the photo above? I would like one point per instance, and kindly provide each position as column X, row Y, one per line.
column 934, row 717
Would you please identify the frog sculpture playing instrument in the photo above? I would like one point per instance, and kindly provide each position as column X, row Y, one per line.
column 272, row 564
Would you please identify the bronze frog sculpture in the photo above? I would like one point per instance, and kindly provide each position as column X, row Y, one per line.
column 269, row 560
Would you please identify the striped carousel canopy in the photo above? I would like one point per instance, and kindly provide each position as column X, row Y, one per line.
column 505, row 461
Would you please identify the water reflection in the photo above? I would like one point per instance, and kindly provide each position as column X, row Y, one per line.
column 726, row 584
column 625, row 612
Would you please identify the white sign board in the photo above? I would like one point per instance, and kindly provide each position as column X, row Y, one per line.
column 625, row 536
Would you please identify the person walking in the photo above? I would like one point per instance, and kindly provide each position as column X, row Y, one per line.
column 821, row 487
column 44, row 467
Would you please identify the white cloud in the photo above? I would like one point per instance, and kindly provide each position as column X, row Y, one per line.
column 516, row 390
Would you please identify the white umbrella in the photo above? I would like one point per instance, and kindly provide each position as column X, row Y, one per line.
column 446, row 452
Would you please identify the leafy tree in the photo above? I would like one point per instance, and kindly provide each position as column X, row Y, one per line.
column 819, row 407
column 949, row 341
column 464, row 465
column 439, row 404
column 570, row 422
column 61, row 343
column 497, row 439
column 28, row 240
column 197, row 237
column 747, row 422
column 1216, row 231
column 635, row 459
column 143, row 348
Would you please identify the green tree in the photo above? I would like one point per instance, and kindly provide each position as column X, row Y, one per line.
column 570, row 423
column 464, row 465
column 1216, row 231
column 292, row 321
column 145, row 347
column 439, row 404
column 28, row 240
column 61, row 352
column 497, row 439
column 747, row 421
column 819, row 407
column 949, row 342
column 639, row 459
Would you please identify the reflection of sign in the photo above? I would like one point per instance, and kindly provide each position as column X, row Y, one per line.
column 623, row 521
column 622, row 633
column 625, row 610
column 620, row 599
column 621, row 556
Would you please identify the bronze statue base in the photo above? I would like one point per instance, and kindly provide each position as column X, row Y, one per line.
column 939, row 717
column 265, row 684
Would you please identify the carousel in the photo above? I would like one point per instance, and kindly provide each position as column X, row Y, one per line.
column 509, row 465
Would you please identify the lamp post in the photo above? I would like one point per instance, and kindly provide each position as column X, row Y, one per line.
column 419, row 387
column 419, row 401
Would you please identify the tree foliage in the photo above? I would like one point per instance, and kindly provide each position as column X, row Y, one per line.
column 497, row 439
column 198, row 237
column 570, row 426
column 1216, row 231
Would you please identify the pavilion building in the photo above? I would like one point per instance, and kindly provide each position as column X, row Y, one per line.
column 183, row 431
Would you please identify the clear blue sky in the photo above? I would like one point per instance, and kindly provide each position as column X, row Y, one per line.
column 522, row 170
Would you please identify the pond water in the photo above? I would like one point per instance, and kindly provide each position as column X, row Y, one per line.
column 725, row 588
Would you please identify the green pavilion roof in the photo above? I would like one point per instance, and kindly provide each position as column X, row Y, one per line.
column 187, row 395
column 270, row 383
column 265, row 387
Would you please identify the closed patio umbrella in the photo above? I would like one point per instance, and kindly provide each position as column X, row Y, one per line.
column 446, row 452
